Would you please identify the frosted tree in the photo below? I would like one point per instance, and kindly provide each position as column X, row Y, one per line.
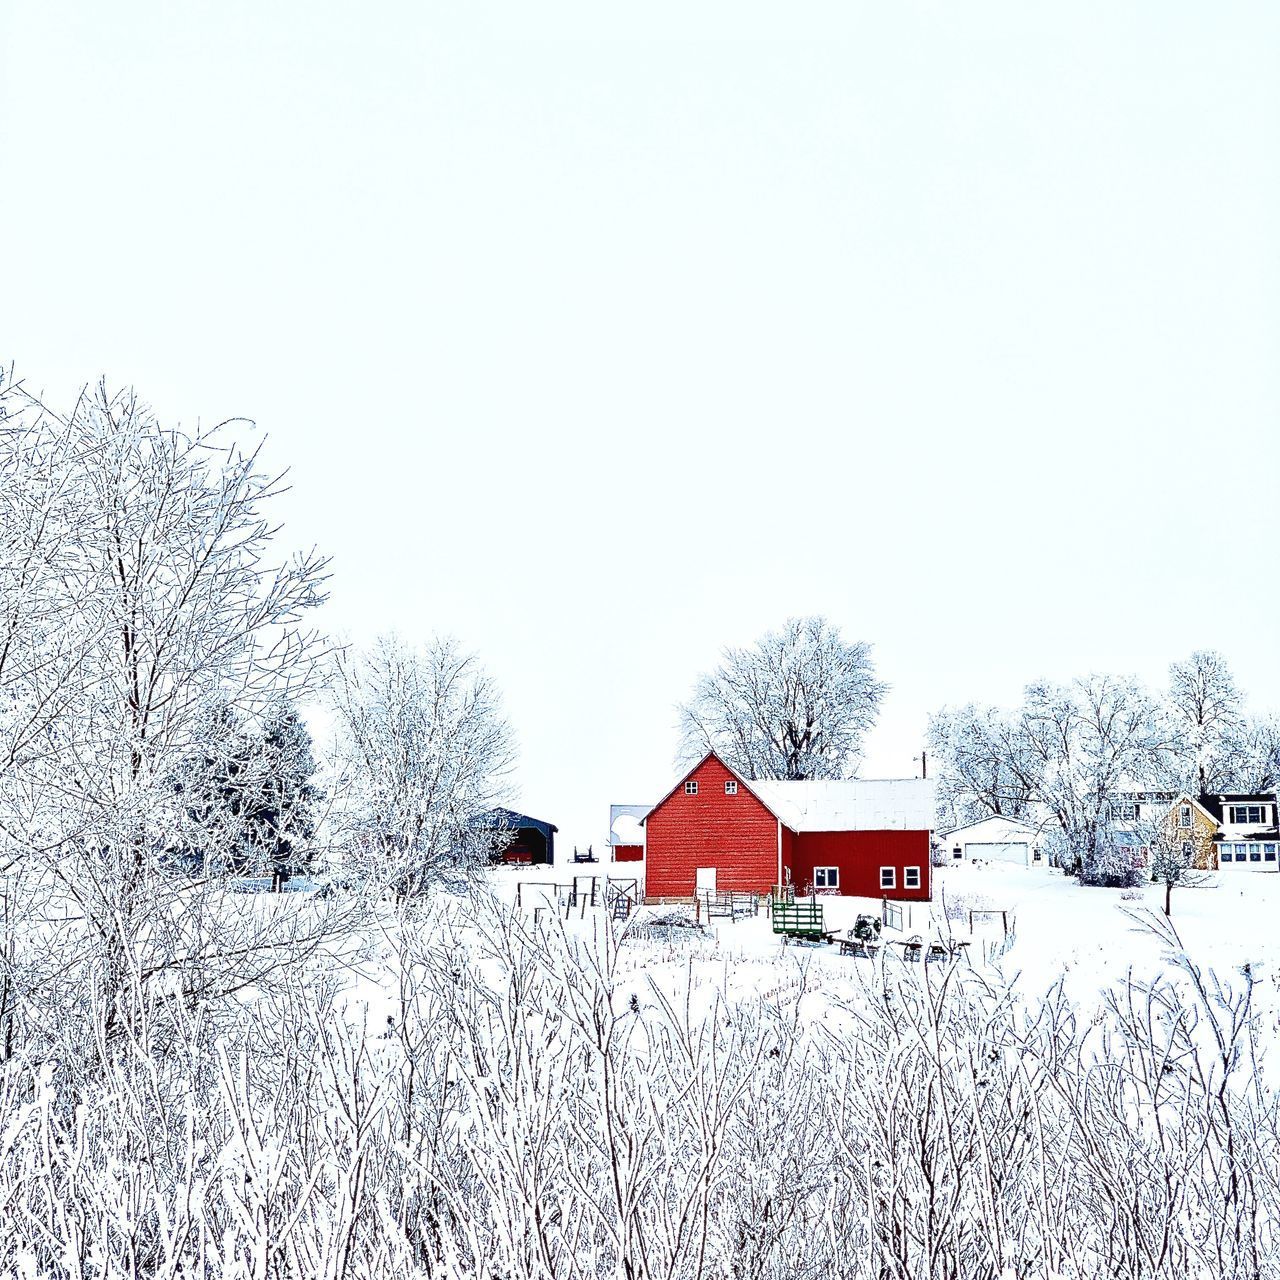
column 1069, row 748
column 250, row 797
column 795, row 705
column 1175, row 852
column 425, row 753
column 1255, row 755
column 142, row 592
column 982, row 764
column 1206, row 710
column 1089, row 739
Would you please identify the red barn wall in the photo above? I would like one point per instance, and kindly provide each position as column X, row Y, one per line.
column 859, row 855
column 735, row 834
column 628, row 852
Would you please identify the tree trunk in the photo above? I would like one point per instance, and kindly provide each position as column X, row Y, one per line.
column 1168, row 896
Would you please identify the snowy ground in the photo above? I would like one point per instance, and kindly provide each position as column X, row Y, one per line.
column 1058, row 929
column 1090, row 939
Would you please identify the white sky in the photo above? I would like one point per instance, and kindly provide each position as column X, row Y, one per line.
column 604, row 335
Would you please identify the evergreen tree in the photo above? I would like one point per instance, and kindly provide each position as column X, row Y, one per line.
column 280, row 809
column 249, row 799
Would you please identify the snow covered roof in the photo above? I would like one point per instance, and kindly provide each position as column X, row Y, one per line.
column 625, row 823
column 860, row 804
column 994, row 820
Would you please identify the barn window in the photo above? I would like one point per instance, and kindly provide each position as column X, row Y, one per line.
column 826, row 877
column 691, row 787
column 731, row 788
column 911, row 877
column 888, row 878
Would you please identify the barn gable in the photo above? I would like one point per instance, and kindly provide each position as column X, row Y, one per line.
column 711, row 822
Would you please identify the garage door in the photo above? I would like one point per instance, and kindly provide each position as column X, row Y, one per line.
column 1009, row 852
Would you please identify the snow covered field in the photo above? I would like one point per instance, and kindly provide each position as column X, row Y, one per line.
column 1057, row 928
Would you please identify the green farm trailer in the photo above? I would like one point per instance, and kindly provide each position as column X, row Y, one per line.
column 800, row 920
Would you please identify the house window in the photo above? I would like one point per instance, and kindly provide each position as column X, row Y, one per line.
column 1255, row 853
column 1269, row 852
column 691, row 787
column 1239, row 853
column 1247, row 814
column 1184, row 816
column 1035, row 855
column 1124, row 813
column 1226, row 854
column 888, row 878
column 826, row 877
column 911, row 877
column 957, row 852
column 731, row 788
column 1186, row 848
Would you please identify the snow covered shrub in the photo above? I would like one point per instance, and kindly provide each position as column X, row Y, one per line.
column 539, row 1107
column 1111, row 866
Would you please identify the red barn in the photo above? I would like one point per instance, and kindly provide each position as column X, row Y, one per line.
column 716, row 830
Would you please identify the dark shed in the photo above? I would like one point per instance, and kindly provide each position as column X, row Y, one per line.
column 519, row 839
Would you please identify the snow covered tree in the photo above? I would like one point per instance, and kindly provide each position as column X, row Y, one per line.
column 1069, row 748
column 249, row 797
column 795, row 705
column 1207, row 718
column 1254, row 753
column 1090, row 739
column 982, row 766
column 1175, row 853
column 425, row 751
column 140, row 594
column 283, row 819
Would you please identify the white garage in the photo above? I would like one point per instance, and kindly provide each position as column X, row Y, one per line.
column 994, row 839
column 1005, row 851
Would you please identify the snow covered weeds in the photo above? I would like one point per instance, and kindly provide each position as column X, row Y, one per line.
column 537, row 1108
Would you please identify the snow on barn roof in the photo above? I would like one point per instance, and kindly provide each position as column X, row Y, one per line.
column 859, row 804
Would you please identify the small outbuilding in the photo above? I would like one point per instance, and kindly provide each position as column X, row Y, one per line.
column 519, row 840
column 626, row 831
column 995, row 839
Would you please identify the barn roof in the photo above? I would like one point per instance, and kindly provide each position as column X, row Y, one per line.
column 509, row 818
column 856, row 804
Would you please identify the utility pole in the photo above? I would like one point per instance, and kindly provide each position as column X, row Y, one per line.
column 923, row 757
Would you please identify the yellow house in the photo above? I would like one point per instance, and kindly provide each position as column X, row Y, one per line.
column 1189, row 823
